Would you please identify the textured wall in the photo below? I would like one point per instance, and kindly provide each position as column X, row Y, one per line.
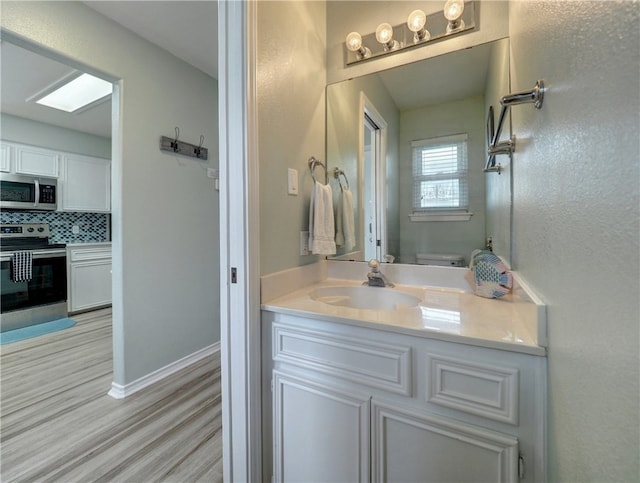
column 443, row 237
column 576, row 223
column 498, row 186
column 291, row 123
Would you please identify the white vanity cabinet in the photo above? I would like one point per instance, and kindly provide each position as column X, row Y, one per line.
column 85, row 183
column 88, row 276
column 356, row 403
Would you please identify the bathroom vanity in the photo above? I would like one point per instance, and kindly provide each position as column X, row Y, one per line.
column 452, row 388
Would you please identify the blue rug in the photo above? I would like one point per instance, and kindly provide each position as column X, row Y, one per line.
column 35, row 330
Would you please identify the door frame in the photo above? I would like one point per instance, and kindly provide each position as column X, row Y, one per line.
column 367, row 107
column 239, row 242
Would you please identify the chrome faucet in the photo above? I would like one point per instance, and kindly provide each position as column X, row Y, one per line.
column 375, row 278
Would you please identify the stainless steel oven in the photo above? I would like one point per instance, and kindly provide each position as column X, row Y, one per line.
column 18, row 191
column 40, row 293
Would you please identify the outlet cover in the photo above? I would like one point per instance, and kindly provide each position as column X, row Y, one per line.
column 304, row 243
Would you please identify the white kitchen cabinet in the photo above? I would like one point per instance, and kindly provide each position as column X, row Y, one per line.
column 6, row 151
column 88, row 276
column 85, row 184
column 36, row 161
column 439, row 411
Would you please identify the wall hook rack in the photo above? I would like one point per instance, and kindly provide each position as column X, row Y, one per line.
column 534, row 96
column 173, row 145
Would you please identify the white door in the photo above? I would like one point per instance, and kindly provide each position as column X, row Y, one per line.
column 320, row 433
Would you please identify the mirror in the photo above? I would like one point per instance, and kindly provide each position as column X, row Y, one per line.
column 374, row 124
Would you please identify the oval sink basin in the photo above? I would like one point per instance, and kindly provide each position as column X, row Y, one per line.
column 370, row 298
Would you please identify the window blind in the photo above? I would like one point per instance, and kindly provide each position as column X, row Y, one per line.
column 440, row 174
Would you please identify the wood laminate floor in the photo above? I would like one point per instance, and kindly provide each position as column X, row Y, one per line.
column 57, row 423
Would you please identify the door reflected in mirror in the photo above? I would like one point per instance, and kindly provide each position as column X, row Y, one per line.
column 374, row 124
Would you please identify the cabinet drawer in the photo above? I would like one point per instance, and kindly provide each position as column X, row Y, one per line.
column 384, row 366
column 86, row 254
column 487, row 391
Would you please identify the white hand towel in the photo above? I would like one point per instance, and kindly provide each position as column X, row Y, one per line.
column 348, row 222
column 339, row 232
column 321, row 224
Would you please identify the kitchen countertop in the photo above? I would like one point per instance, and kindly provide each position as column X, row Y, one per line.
column 508, row 323
column 87, row 244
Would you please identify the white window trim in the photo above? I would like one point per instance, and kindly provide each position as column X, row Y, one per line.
column 439, row 214
column 444, row 215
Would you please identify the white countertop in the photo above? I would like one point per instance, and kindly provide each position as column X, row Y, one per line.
column 508, row 323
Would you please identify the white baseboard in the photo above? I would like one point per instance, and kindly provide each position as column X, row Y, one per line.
column 119, row 391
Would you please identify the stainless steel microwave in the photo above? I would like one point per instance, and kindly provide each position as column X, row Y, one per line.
column 24, row 192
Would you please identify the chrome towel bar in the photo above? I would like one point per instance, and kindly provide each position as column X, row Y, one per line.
column 534, row 96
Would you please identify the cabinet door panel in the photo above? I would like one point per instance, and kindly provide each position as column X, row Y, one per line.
column 5, row 157
column 36, row 161
column 87, row 184
column 90, row 285
column 409, row 446
column 320, row 434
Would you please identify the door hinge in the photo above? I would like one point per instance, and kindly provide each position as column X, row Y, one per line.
column 234, row 275
column 521, row 466
column 271, row 385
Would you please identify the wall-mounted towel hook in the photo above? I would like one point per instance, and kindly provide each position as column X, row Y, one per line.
column 197, row 150
column 174, row 145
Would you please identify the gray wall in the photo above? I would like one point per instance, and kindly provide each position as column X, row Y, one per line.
column 576, row 224
column 165, row 209
column 498, row 186
column 443, row 237
column 34, row 133
column 291, row 123
column 343, row 131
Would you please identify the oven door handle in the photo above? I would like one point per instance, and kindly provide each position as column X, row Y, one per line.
column 38, row 254
column 37, row 193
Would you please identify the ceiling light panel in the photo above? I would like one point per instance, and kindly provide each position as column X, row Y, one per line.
column 78, row 93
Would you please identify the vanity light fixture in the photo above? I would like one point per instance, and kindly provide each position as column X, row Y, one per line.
column 384, row 35
column 452, row 12
column 459, row 17
column 354, row 44
column 416, row 23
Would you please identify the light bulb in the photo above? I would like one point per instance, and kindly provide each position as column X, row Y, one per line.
column 453, row 11
column 354, row 41
column 417, row 19
column 384, row 35
column 416, row 22
column 354, row 44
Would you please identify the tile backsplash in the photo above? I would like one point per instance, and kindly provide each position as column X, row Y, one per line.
column 93, row 227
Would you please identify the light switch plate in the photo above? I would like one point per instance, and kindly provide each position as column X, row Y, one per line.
column 292, row 181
